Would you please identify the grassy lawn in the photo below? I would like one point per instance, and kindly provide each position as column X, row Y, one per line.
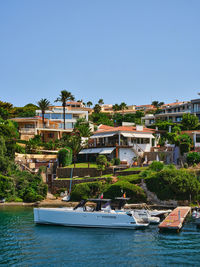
column 82, row 165
column 81, row 178
column 135, row 169
column 133, row 178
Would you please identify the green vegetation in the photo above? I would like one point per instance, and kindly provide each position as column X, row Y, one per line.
column 63, row 98
column 65, row 157
column 193, row 158
column 115, row 161
column 16, row 185
column 83, row 165
column 22, row 186
column 132, row 178
column 83, row 127
column 174, row 184
column 134, row 192
column 135, row 169
column 189, row 122
column 156, row 166
column 101, row 162
column 86, row 190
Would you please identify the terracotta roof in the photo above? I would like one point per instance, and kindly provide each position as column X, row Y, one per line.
column 36, row 118
column 175, row 103
column 105, row 128
column 140, row 106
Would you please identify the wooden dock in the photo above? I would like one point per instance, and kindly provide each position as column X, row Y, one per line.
column 175, row 220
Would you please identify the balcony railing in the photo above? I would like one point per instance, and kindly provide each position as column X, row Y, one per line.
column 27, row 130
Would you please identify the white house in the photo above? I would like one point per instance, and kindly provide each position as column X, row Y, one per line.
column 124, row 142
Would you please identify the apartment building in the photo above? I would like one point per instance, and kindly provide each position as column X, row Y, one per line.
column 174, row 111
column 72, row 114
column 53, row 127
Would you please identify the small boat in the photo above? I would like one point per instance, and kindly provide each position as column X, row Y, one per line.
column 2, row 200
column 84, row 216
column 196, row 216
column 158, row 213
column 143, row 214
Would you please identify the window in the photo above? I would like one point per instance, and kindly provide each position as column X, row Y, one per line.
column 146, row 141
column 198, row 138
column 46, row 115
column 51, row 135
column 56, row 116
column 29, row 126
column 68, row 116
column 69, row 125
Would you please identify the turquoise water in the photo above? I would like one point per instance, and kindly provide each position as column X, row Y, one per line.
column 22, row 243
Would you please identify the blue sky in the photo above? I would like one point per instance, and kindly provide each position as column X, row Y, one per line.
column 134, row 51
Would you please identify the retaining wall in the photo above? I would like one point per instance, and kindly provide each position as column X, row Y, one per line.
column 57, row 184
column 81, row 172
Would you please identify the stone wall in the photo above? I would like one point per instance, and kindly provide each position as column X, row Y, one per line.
column 81, row 172
column 124, row 173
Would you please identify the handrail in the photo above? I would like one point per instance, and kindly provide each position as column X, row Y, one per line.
column 139, row 147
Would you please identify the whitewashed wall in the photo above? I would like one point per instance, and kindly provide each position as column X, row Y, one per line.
column 126, row 154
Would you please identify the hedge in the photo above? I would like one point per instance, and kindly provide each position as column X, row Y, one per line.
column 86, row 190
column 134, row 192
column 133, row 178
column 174, row 184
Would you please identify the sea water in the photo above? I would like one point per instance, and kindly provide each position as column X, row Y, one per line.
column 22, row 243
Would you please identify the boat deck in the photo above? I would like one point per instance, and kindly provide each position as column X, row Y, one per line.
column 175, row 220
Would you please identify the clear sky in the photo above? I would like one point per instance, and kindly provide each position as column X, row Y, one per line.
column 134, row 51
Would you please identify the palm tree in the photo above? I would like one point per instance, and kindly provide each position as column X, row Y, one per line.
column 43, row 105
column 64, row 97
column 100, row 102
column 89, row 104
column 97, row 109
column 115, row 107
column 123, row 106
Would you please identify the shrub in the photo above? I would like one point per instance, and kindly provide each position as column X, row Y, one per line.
column 6, row 187
column 156, row 166
column 193, row 157
column 133, row 178
column 29, row 187
column 101, row 160
column 65, row 157
column 85, row 190
column 134, row 192
column 185, row 165
column 14, row 199
column 117, row 161
column 174, row 184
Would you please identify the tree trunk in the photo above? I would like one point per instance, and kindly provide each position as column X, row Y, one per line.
column 64, row 116
column 74, row 161
column 43, row 126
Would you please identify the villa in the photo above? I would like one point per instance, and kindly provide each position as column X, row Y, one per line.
column 53, row 127
column 123, row 142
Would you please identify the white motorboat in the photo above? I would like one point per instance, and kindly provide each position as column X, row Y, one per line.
column 146, row 216
column 158, row 213
column 138, row 213
column 196, row 216
column 83, row 216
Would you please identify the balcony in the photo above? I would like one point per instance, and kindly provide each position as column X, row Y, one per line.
column 27, row 130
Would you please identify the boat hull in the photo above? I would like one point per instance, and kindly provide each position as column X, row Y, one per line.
column 73, row 218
